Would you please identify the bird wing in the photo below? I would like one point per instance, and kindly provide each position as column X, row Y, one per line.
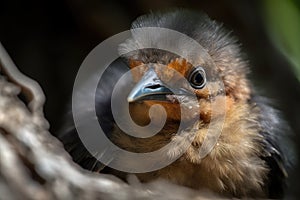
column 68, row 133
column 277, row 146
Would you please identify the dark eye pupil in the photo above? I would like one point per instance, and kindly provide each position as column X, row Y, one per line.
column 197, row 78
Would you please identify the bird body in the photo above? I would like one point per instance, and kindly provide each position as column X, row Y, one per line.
column 247, row 160
column 232, row 164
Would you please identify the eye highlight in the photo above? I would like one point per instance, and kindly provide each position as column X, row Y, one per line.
column 197, row 78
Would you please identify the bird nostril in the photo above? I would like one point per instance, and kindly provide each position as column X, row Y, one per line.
column 153, row 87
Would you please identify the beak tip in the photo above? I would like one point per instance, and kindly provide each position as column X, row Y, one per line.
column 130, row 99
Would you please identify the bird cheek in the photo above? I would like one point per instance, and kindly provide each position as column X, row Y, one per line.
column 205, row 110
column 172, row 110
column 140, row 112
column 221, row 105
column 203, row 93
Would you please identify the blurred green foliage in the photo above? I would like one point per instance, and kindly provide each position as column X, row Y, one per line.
column 282, row 19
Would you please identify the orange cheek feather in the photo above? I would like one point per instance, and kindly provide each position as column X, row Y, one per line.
column 140, row 114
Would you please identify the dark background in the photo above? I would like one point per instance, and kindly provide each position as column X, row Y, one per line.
column 48, row 40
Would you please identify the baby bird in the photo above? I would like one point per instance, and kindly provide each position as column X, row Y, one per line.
column 250, row 158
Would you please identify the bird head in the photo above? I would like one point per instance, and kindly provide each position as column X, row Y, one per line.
column 175, row 85
column 219, row 76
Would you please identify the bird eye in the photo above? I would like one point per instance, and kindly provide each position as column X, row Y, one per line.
column 197, row 78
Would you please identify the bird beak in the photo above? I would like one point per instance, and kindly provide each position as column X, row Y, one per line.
column 150, row 87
